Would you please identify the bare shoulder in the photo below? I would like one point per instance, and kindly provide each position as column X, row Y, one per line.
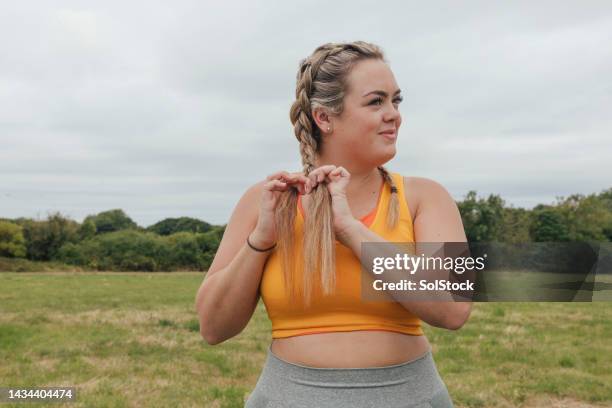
column 256, row 189
column 436, row 216
column 248, row 205
column 421, row 190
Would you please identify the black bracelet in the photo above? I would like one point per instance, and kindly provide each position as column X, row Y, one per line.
column 257, row 249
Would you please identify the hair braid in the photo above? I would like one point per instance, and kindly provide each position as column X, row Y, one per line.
column 301, row 111
column 393, row 212
column 321, row 82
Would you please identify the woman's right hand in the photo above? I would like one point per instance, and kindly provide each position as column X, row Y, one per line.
column 264, row 234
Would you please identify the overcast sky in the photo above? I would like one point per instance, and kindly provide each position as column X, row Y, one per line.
column 173, row 109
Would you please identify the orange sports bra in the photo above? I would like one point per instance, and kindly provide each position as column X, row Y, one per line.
column 343, row 310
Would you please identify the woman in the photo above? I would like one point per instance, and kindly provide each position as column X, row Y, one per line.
column 295, row 239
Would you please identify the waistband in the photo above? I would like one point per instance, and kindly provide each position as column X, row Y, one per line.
column 418, row 372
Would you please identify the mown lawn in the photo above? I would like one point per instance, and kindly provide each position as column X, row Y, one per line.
column 132, row 340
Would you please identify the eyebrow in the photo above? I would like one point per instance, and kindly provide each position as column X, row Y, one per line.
column 381, row 93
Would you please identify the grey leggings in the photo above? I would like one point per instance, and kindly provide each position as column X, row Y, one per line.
column 415, row 383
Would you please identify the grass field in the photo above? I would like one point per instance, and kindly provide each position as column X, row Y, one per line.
column 132, row 340
column 543, row 286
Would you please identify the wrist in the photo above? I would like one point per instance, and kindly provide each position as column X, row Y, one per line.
column 259, row 242
column 348, row 230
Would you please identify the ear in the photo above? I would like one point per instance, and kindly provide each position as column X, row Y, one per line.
column 323, row 121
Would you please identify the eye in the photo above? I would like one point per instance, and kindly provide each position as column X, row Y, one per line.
column 397, row 100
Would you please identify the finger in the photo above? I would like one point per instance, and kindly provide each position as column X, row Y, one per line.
column 275, row 185
column 311, row 185
column 340, row 171
column 325, row 170
column 306, row 183
column 312, row 176
column 290, row 175
column 295, row 179
column 283, row 185
column 276, row 175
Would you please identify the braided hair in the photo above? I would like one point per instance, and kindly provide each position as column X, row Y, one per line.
column 321, row 83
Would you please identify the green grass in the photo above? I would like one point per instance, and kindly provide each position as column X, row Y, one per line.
column 132, row 339
column 543, row 286
column 25, row 265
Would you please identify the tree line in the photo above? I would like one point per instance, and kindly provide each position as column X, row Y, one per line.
column 112, row 241
column 577, row 218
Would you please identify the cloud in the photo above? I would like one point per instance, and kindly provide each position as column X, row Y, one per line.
column 175, row 109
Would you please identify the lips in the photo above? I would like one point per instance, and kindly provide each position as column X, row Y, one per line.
column 391, row 134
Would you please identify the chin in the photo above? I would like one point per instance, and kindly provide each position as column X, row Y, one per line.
column 391, row 149
column 387, row 156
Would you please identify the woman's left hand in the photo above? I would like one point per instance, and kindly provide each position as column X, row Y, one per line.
column 336, row 180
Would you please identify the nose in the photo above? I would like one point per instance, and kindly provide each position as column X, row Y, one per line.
column 392, row 114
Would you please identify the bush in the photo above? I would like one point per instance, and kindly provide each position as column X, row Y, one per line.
column 120, row 250
column 186, row 251
column 45, row 238
column 12, row 242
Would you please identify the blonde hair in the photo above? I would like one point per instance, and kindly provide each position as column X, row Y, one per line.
column 321, row 83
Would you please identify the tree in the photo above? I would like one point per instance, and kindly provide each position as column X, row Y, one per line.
column 186, row 251
column 587, row 217
column 515, row 225
column 482, row 219
column 112, row 220
column 87, row 230
column 44, row 238
column 12, row 242
column 606, row 199
column 170, row 226
column 548, row 225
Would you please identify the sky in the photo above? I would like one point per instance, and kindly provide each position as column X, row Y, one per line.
column 170, row 109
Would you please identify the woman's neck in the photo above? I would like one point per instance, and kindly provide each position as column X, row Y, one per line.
column 362, row 181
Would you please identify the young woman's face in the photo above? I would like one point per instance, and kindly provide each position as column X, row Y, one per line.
column 371, row 106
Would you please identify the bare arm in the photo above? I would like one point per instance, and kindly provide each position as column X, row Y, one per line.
column 229, row 293
column 437, row 219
